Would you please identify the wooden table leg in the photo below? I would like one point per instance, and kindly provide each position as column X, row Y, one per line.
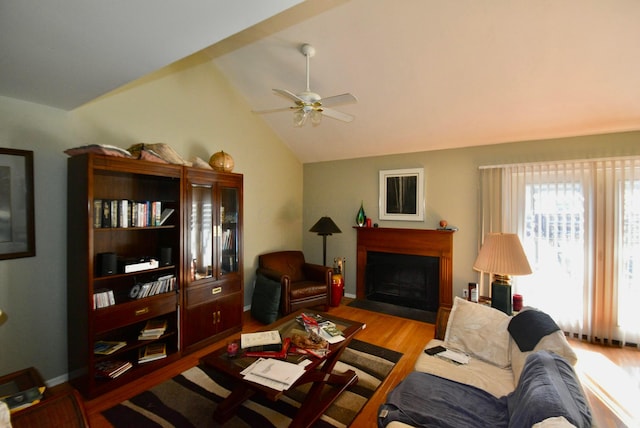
column 316, row 403
column 227, row 408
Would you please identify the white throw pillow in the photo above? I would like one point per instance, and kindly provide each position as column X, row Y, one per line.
column 480, row 331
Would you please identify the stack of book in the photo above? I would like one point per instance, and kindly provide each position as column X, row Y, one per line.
column 152, row 352
column 264, row 344
column 107, row 347
column 153, row 329
column 112, row 369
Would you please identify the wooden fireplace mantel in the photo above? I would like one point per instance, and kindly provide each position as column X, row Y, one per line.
column 421, row 242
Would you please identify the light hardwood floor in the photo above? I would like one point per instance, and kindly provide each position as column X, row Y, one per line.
column 399, row 334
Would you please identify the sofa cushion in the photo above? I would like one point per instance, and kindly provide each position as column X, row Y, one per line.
column 266, row 300
column 495, row 380
column 480, row 331
column 548, row 388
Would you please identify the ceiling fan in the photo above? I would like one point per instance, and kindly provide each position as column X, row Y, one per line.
column 310, row 105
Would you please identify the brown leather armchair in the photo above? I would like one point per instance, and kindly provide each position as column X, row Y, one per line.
column 302, row 284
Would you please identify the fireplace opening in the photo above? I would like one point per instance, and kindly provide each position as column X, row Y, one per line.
column 407, row 280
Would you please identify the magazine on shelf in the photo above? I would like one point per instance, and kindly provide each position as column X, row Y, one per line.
column 106, row 347
column 112, row 368
column 152, row 352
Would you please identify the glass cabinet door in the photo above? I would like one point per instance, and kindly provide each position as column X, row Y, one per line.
column 229, row 207
column 201, row 235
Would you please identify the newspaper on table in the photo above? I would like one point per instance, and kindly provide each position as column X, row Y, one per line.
column 275, row 374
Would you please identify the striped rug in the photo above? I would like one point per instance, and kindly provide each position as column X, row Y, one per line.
column 189, row 399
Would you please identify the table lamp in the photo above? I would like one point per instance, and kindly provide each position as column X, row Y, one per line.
column 502, row 255
column 325, row 226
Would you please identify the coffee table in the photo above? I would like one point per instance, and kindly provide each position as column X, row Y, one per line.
column 319, row 372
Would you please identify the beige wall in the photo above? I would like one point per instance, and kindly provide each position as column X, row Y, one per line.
column 451, row 184
column 189, row 106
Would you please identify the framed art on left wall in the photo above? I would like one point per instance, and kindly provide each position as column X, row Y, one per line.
column 17, row 223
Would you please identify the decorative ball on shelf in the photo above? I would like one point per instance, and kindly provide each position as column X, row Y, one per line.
column 221, row 161
column 443, row 223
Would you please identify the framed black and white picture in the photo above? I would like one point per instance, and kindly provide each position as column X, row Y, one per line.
column 17, row 231
column 402, row 194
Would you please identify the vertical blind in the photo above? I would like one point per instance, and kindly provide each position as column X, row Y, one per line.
column 579, row 223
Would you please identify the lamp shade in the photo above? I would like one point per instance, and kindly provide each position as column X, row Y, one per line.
column 325, row 226
column 502, row 253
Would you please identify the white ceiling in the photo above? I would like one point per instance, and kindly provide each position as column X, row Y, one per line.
column 428, row 74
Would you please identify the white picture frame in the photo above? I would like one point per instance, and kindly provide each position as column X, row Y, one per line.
column 401, row 194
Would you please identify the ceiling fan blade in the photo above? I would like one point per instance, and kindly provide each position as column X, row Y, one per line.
column 289, row 94
column 339, row 99
column 335, row 114
column 275, row 110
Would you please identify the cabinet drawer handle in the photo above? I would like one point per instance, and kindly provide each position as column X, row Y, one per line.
column 142, row 311
column 216, row 290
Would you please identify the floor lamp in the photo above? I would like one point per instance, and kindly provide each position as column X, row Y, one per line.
column 502, row 255
column 325, row 226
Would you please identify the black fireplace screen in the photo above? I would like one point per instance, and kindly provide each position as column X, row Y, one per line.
column 402, row 279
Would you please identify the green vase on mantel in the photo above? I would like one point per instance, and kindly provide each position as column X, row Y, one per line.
column 361, row 217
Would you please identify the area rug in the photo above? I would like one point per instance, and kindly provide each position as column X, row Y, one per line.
column 398, row 311
column 189, row 399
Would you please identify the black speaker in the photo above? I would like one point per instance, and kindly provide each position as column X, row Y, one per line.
column 165, row 256
column 501, row 297
column 107, row 264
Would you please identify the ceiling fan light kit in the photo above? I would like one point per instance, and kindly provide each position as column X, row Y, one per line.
column 308, row 104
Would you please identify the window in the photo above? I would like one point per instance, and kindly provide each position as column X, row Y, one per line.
column 579, row 223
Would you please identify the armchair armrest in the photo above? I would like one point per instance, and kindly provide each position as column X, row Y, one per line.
column 318, row 273
column 272, row 274
column 283, row 279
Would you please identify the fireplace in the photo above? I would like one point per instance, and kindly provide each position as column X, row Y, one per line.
column 403, row 279
column 406, row 267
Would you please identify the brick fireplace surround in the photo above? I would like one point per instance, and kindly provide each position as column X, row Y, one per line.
column 422, row 242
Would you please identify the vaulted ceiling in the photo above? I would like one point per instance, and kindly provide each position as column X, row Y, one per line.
column 427, row 74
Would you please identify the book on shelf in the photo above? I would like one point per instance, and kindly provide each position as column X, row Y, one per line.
column 152, row 352
column 111, row 368
column 23, row 399
column 107, row 347
column 156, row 213
column 123, row 213
column 261, row 341
column 97, row 213
column 106, row 213
column 114, row 212
column 153, row 329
